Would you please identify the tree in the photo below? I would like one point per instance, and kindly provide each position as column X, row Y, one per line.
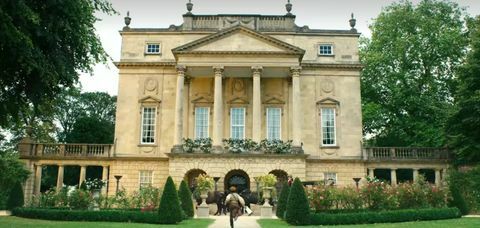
column 45, row 44
column 464, row 123
column 15, row 198
column 186, row 199
column 282, row 201
column 12, row 171
column 298, row 210
column 169, row 211
column 409, row 72
column 91, row 130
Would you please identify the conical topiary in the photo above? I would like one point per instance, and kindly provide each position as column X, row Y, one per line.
column 15, row 199
column 298, row 211
column 282, row 201
column 169, row 211
column 186, row 199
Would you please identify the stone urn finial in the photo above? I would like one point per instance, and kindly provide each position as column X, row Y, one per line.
column 288, row 6
column 189, row 7
column 353, row 22
column 127, row 20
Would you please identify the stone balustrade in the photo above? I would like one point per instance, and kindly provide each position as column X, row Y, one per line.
column 405, row 153
column 65, row 150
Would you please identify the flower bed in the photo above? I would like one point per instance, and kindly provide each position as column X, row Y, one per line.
column 84, row 215
column 369, row 217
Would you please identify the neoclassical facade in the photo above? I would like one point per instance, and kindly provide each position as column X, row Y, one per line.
column 236, row 77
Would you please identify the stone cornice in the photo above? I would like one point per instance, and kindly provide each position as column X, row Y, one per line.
column 233, row 155
column 47, row 158
column 353, row 66
column 144, row 64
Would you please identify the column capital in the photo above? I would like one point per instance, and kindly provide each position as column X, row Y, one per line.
column 218, row 70
column 295, row 71
column 257, row 70
column 181, row 69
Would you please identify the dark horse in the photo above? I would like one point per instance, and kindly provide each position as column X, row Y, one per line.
column 218, row 198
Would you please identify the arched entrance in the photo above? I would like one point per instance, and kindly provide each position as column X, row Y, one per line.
column 282, row 178
column 238, row 178
column 190, row 177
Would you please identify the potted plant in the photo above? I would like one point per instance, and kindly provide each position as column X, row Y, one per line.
column 267, row 182
column 205, row 183
column 95, row 186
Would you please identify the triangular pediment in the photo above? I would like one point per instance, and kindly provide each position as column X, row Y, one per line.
column 238, row 40
column 149, row 99
column 328, row 101
column 202, row 99
column 238, row 100
column 273, row 100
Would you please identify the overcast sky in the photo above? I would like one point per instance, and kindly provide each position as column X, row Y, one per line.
column 317, row 14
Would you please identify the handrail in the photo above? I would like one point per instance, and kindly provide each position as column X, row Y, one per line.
column 406, row 153
column 67, row 150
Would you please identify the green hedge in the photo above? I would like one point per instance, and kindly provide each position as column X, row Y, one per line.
column 83, row 215
column 384, row 216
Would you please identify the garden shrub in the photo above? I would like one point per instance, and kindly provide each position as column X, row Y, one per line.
column 170, row 211
column 79, row 199
column 322, row 197
column 297, row 205
column 378, row 195
column 282, row 201
column 15, row 199
column 455, row 184
column 369, row 217
column 349, row 198
column 413, row 195
column 186, row 201
column 147, row 199
column 85, row 215
column 12, row 170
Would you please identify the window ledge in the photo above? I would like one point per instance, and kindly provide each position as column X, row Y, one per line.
column 159, row 54
column 147, row 145
column 320, row 55
column 329, row 147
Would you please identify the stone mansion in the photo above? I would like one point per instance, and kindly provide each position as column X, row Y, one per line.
column 236, row 77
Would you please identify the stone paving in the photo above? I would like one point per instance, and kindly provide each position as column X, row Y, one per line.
column 242, row 222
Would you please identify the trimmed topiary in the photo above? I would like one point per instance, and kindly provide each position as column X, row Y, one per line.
column 298, row 211
column 458, row 200
column 282, row 201
column 170, row 211
column 15, row 199
column 186, row 199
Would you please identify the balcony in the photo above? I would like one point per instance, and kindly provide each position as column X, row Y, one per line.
column 405, row 153
column 56, row 150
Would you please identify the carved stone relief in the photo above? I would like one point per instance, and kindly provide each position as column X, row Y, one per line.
column 248, row 22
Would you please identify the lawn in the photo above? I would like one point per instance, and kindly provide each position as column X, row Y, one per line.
column 462, row 222
column 12, row 221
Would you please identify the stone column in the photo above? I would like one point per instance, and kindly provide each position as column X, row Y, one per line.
column 257, row 105
column 371, row 173
column 105, row 178
column 415, row 175
column 393, row 177
column 38, row 179
column 297, row 109
column 438, row 179
column 178, row 129
column 83, row 174
column 60, row 177
column 218, row 110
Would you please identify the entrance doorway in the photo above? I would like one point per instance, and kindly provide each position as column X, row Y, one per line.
column 237, row 178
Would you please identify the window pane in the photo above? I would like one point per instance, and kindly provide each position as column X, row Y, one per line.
column 330, row 178
column 237, row 123
column 148, row 125
column 273, row 123
column 325, row 49
column 201, row 122
column 328, row 126
column 145, row 178
column 153, row 48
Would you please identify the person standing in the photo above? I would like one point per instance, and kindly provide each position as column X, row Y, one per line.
column 235, row 204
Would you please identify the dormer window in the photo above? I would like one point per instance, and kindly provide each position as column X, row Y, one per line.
column 153, row 48
column 325, row 49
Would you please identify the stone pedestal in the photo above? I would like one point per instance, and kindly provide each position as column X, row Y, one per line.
column 203, row 211
column 266, row 211
column 5, row 213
